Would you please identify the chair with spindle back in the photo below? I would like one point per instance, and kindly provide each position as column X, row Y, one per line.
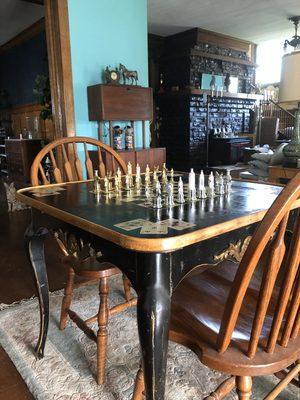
column 78, row 257
column 244, row 319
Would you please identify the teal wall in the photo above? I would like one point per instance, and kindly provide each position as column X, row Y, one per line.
column 105, row 32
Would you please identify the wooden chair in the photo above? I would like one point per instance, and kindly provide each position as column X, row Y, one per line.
column 244, row 319
column 79, row 257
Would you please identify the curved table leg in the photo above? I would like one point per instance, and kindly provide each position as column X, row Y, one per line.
column 34, row 242
column 153, row 314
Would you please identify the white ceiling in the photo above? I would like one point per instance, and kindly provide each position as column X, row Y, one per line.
column 15, row 16
column 254, row 20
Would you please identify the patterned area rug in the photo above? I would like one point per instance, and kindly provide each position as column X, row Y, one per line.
column 68, row 368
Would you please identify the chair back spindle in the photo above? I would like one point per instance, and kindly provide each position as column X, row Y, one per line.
column 286, row 315
column 71, row 169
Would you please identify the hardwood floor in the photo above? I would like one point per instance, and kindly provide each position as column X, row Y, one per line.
column 16, row 283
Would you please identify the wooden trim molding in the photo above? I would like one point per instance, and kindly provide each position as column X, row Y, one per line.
column 60, row 68
column 26, row 34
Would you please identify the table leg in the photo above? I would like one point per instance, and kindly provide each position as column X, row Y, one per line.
column 34, row 242
column 153, row 314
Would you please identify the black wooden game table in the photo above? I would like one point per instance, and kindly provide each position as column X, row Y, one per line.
column 155, row 263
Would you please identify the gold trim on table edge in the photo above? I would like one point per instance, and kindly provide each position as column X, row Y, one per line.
column 159, row 245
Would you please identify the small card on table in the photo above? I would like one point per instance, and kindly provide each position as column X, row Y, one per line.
column 152, row 228
column 132, row 224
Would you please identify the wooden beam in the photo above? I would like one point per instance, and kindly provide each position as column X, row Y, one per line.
column 26, row 34
column 41, row 2
column 60, row 70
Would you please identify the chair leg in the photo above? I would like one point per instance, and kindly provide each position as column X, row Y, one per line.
column 244, row 386
column 102, row 331
column 127, row 288
column 222, row 390
column 66, row 303
column 139, row 386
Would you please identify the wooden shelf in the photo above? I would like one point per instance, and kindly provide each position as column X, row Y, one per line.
column 222, row 58
column 208, row 92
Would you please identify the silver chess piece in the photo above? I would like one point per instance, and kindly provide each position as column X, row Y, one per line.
column 192, row 185
column 157, row 188
column 147, row 194
column 117, row 183
column 170, row 195
column 97, row 184
column 201, row 186
column 172, row 175
column 180, row 193
column 106, row 185
column 164, row 178
column 221, row 185
column 227, row 182
column 119, row 174
column 127, row 182
column 211, row 185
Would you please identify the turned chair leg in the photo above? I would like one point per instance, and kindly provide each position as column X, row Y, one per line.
column 102, row 331
column 222, row 390
column 127, row 288
column 139, row 386
column 244, row 386
column 66, row 303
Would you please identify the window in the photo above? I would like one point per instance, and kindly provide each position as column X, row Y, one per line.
column 269, row 55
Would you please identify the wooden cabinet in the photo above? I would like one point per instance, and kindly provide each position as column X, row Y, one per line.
column 226, row 151
column 152, row 157
column 120, row 103
column 20, row 154
column 126, row 103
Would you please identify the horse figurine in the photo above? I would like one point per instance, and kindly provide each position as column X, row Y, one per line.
column 133, row 75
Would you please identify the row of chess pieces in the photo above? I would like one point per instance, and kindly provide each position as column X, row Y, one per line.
column 217, row 185
column 159, row 185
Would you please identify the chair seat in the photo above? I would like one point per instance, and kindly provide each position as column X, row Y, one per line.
column 90, row 266
column 197, row 309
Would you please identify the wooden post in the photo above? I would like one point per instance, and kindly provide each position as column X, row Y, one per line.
column 132, row 126
column 111, row 137
column 144, row 134
column 100, row 131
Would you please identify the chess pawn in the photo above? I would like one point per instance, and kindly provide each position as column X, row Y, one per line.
column 172, row 175
column 97, row 185
column 227, row 182
column 201, row 186
column 202, row 193
column 138, row 181
column 106, row 185
column 147, row 194
column 119, row 175
column 192, row 185
column 211, row 185
column 180, row 194
column 127, row 182
column 164, row 174
column 129, row 168
column 157, row 202
column 138, row 170
column 117, row 183
column 157, row 188
column 221, row 185
column 170, row 197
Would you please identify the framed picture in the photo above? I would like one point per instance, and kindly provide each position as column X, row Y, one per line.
column 206, row 80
